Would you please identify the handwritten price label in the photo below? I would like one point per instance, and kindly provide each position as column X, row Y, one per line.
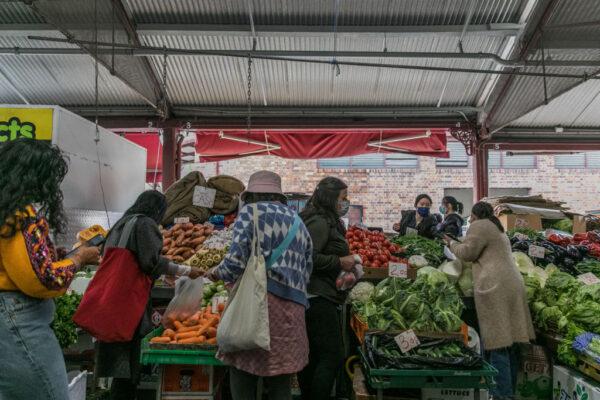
column 398, row 270
column 215, row 303
column 407, row 341
column 537, row 251
column 204, row 197
column 588, row 279
column 182, row 220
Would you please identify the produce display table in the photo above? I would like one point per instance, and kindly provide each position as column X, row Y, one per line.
column 183, row 356
column 380, row 379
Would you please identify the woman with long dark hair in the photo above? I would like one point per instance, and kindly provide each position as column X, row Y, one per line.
column 31, row 206
column 500, row 297
column 121, row 360
column 453, row 222
column 331, row 255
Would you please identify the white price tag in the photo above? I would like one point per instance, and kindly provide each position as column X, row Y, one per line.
column 588, row 279
column 407, row 341
column 398, row 270
column 204, row 197
column 182, row 220
column 537, row 251
column 520, row 236
column 411, row 232
column 215, row 303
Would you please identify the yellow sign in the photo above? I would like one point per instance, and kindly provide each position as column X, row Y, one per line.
column 33, row 123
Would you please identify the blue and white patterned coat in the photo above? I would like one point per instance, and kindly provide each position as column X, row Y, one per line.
column 289, row 275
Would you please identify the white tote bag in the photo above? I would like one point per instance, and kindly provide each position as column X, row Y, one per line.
column 245, row 322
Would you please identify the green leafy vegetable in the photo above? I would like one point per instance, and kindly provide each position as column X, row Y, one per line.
column 565, row 225
column 530, row 233
column 63, row 326
column 432, row 250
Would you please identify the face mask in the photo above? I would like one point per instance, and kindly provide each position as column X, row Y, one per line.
column 423, row 211
column 443, row 210
column 343, row 207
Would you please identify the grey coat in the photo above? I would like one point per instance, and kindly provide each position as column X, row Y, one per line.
column 121, row 360
column 500, row 296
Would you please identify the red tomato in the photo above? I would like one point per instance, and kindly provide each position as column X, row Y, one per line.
column 367, row 264
column 386, row 265
column 376, row 264
column 382, row 259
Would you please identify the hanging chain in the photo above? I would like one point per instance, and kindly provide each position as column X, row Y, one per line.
column 163, row 105
column 249, row 99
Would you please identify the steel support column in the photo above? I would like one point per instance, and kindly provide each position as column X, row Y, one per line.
column 169, row 157
column 480, row 172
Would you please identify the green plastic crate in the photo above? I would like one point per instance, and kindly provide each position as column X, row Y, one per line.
column 175, row 356
column 429, row 378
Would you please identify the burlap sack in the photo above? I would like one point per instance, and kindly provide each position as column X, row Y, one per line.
column 179, row 199
column 228, row 193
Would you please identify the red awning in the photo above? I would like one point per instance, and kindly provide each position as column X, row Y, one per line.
column 151, row 142
column 312, row 144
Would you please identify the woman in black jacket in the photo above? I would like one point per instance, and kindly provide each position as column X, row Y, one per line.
column 419, row 221
column 121, row 360
column 453, row 222
column 331, row 255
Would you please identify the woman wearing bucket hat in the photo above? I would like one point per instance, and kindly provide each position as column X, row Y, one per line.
column 287, row 279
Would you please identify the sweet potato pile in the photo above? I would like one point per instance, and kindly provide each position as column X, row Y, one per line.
column 182, row 241
column 199, row 328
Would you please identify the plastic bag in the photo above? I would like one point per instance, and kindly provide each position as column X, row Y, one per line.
column 347, row 279
column 186, row 302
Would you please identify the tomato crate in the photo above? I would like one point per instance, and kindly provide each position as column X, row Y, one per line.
column 429, row 378
column 176, row 354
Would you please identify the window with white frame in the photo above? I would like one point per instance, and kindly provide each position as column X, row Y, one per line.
column 371, row 161
column 458, row 156
column 502, row 160
column 590, row 159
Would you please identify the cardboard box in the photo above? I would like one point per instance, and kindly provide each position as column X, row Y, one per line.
column 452, row 394
column 375, row 273
column 193, row 380
column 571, row 385
column 534, row 380
column 511, row 221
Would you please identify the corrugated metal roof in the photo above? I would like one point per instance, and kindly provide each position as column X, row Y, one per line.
column 318, row 12
column 17, row 12
column 208, row 80
column 64, row 80
column 579, row 107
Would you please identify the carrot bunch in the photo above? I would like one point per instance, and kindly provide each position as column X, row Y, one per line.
column 200, row 328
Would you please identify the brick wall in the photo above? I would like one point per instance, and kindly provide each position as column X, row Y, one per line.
column 383, row 192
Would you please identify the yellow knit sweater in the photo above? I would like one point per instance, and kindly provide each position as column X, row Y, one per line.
column 27, row 260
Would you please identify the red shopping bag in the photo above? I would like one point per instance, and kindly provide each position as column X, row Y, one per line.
column 116, row 298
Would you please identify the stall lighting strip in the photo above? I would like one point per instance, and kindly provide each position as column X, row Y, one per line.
column 381, row 144
column 267, row 146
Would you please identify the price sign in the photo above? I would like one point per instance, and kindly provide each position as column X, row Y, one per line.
column 520, row 236
column 215, row 303
column 537, row 251
column 182, row 220
column 588, row 279
column 407, row 341
column 398, row 270
column 204, row 197
column 411, row 232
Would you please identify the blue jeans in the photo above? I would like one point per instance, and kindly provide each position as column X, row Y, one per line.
column 31, row 361
column 506, row 361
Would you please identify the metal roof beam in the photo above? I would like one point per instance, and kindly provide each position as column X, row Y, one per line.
column 500, row 29
column 282, row 112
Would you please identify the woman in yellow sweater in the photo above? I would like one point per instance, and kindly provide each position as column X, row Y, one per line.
column 31, row 360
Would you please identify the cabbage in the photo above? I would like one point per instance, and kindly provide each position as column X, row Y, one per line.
column 465, row 282
column 524, row 263
column 452, row 269
column 418, row 261
column 431, row 276
column 361, row 292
